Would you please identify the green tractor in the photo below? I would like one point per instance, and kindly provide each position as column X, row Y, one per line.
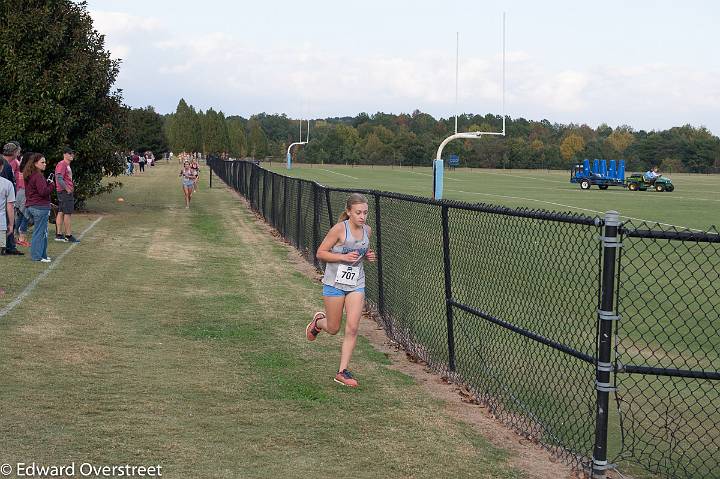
column 637, row 182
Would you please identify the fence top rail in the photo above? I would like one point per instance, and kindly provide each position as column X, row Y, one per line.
column 646, row 232
column 680, row 373
column 567, row 217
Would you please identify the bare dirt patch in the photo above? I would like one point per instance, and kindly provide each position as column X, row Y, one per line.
column 163, row 247
column 50, row 328
column 246, row 235
column 527, row 456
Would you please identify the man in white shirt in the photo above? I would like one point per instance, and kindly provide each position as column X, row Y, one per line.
column 7, row 205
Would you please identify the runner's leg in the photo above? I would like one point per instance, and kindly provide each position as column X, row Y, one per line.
column 354, row 303
column 333, row 314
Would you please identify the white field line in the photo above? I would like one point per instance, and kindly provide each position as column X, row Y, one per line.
column 705, row 192
column 670, row 197
column 30, row 287
column 601, row 213
column 427, row 174
column 523, row 177
column 336, row 173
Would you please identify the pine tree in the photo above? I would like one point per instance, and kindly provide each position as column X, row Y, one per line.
column 237, row 140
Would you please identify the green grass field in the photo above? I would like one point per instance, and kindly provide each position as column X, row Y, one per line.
column 695, row 203
column 176, row 337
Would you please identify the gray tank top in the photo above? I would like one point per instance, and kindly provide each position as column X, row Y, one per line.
column 350, row 244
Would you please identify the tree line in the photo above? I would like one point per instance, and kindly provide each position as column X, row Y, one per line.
column 413, row 139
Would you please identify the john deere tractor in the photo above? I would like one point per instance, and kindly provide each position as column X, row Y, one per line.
column 637, row 182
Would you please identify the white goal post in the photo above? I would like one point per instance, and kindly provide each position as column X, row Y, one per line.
column 307, row 139
column 438, row 166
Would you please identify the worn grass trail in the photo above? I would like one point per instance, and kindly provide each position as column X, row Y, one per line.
column 176, row 337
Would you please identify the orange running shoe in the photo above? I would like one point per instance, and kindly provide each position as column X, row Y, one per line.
column 312, row 329
column 345, row 378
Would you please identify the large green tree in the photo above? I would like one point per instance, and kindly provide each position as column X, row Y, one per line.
column 56, row 89
column 185, row 129
column 145, row 130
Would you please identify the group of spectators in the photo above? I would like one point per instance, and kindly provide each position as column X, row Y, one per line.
column 147, row 158
column 26, row 200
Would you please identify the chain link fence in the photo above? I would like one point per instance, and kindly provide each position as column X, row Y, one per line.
column 602, row 353
column 668, row 349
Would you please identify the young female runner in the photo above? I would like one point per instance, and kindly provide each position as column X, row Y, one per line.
column 196, row 168
column 343, row 250
column 188, row 181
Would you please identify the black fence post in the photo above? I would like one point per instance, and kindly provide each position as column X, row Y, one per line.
column 285, row 207
column 378, row 252
column 274, row 204
column 265, row 195
column 316, row 224
column 448, row 289
column 251, row 186
column 298, row 215
column 603, row 368
column 211, row 168
column 243, row 180
column 329, row 207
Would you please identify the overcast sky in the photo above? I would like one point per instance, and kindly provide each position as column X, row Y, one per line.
column 647, row 64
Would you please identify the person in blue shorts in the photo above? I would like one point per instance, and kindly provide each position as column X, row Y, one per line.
column 187, row 175
column 343, row 250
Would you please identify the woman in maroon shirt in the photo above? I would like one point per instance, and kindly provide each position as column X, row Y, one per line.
column 37, row 202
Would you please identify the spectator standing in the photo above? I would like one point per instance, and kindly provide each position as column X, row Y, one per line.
column 37, row 202
column 10, row 151
column 66, row 198
column 142, row 162
column 135, row 159
column 7, row 205
column 21, row 220
column 129, row 165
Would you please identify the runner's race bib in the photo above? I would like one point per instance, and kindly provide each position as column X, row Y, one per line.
column 347, row 275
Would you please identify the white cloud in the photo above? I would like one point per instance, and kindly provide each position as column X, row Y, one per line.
column 239, row 76
column 114, row 23
column 124, row 33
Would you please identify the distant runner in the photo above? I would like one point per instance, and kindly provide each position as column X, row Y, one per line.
column 187, row 175
column 196, row 167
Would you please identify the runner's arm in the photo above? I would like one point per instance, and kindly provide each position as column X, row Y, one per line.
column 10, row 207
column 370, row 255
column 61, row 182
